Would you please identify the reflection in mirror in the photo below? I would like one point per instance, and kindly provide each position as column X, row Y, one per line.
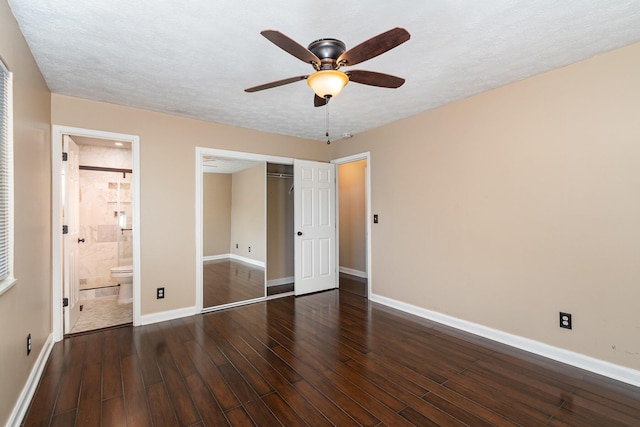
column 234, row 234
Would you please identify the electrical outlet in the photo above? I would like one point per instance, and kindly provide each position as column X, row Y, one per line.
column 249, row 248
column 160, row 293
column 565, row 320
column 28, row 344
column 237, row 246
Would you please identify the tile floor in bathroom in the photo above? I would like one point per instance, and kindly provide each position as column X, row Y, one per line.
column 102, row 291
column 102, row 312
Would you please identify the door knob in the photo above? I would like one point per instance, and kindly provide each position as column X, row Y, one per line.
column 80, row 240
column 299, row 233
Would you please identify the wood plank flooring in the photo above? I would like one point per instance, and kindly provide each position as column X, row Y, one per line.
column 228, row 281
column 279, row 289
column 331, row 358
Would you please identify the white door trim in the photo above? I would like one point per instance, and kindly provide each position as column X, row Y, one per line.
column 200, row 153
column 361, row 156
column 56, row 218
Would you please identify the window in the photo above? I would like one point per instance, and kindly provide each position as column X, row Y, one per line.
column 6, row 180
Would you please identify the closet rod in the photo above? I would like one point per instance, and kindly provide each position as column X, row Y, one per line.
column 101, row 169
column 279, row 175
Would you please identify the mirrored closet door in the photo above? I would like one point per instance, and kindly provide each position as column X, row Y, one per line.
column 234, row 241
column 246, row 227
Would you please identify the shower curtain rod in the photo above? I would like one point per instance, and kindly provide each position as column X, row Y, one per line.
column 101, row 169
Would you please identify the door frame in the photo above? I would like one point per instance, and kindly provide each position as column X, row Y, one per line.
column 200, row 153
column 56, row 218
column 349, row 159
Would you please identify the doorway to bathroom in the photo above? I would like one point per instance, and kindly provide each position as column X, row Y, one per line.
column 95, row 202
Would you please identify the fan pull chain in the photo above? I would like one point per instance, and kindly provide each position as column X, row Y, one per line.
column 327, row 128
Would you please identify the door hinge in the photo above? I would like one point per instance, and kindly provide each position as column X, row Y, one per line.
column 65, row 157
column 65, row 302
column 65, row 229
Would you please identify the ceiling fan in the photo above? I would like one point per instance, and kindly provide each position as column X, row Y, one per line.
column 328, row 55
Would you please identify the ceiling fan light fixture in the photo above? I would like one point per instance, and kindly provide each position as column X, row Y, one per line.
column 327, row 83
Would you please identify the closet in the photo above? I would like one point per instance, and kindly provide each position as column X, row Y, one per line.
column 258, row 235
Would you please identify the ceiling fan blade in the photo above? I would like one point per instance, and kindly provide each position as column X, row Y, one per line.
column 372, row 78
column 276, row 84
column 318, row 101
column 374, row 46
column 291, row 46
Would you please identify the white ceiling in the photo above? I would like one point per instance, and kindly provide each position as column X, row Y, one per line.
column 85, row 140
column 217, row 164
column 195, row 58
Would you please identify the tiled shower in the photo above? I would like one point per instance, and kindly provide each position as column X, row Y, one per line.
column 105, row 234
column 105, row 218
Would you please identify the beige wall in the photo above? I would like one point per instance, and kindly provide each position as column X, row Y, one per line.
column 216, row 219
column 26, row 308
column 510, row 206
column 353, row 212
column 248, row 213
column 167, row 173
column 280, row 233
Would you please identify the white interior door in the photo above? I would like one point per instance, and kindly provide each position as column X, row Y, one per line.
column 315, row 226
column 71, row 218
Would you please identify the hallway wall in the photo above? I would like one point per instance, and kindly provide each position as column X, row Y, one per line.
column 352, row 213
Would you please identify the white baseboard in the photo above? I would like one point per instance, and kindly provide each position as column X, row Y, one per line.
column 232, row 305
column 162, row 316
column 24, row 400
column 601, row 367
column 280, row 281
column 351, row 271
column 234, row 257
column 214, row 257
column 247, row 260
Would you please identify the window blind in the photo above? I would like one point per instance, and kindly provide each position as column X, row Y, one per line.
column 5, row 177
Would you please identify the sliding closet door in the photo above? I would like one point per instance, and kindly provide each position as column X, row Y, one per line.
column 315, row 226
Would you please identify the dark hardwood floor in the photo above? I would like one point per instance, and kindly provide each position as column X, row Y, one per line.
column 355, row 285
column 279, row 289
column 331, row 358
column 227, row 281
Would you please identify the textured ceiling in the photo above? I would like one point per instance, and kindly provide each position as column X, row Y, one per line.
column 84, row 140
column 217, row 164
column 195, row 58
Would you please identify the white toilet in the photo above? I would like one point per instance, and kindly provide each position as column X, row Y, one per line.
column 123, row 275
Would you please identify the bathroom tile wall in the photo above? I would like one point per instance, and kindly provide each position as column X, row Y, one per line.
column 103, row 197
